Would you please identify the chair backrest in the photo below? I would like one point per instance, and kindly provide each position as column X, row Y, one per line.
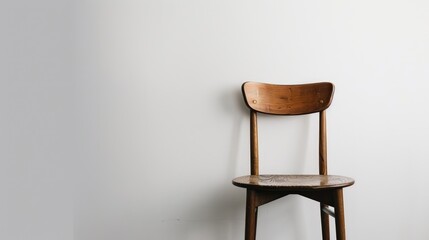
column 287, row 100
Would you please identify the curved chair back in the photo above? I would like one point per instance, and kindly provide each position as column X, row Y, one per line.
column 288, row 99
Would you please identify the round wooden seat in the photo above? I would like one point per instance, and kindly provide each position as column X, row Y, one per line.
column 292, row 182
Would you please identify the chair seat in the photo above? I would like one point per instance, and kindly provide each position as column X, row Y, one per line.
column 293, row 182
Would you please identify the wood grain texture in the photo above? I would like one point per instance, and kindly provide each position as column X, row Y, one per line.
column 340, row 226
column 254, row 150
column 324, row 220
column 323, row 149
column 262, row 189
column 288, row 99
column 292, row 182
column 251, row 215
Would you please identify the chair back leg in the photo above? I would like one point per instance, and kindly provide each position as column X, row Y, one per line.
column 325, row 223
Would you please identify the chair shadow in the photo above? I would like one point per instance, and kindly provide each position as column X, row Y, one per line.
column 214, row 216
column 221, row 215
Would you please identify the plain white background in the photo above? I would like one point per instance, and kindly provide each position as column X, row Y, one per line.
column 124, row 119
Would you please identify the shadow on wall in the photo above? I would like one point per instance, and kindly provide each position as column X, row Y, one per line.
column 216, row 214
column 219, row 215
column 234, row 106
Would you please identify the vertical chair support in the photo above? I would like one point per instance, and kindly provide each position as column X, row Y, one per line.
column 339, row 215
column 251, row 206
column 323, row 166
column 323, row 153
column 254, row 153
column 324, row 217
column 251, row 215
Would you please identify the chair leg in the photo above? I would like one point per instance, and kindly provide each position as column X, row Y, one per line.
column 339, row 215
column 325, row 223
column 251, row 215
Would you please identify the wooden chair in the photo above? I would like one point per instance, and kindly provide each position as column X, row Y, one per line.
column 261, row 189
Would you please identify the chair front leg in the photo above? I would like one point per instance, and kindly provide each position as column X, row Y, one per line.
column 251, row 215
column 339, row 215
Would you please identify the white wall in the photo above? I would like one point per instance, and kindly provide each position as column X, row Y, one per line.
column 137, row 105
column 36, row 112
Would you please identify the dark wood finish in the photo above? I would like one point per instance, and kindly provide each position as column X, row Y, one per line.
column 324, row 220
column 254, row 152
column 340, row 226
column 292, row 182
column 323, row 188
column 288, row 99
column 251, row 215
column 265, row 197
column 323, row 155
column 323, row 170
